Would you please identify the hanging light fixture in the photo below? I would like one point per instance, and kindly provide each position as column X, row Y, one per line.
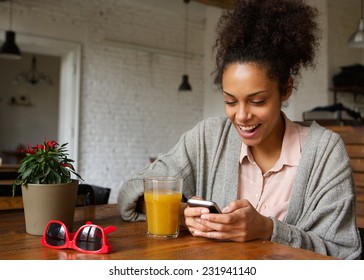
column 185, row 85
column 9, row 49
column 33, row 76
column 356, row 40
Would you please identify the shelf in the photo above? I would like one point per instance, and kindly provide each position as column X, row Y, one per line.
column 354, row 90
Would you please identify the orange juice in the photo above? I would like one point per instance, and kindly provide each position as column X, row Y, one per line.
column 162, row 212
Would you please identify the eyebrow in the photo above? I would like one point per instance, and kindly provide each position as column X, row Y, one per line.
column 250, row 94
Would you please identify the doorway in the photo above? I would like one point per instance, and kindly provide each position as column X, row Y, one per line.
column 29, row 95
column 69, row 54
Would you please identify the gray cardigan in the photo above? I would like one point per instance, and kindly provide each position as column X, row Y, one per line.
column 321, row 211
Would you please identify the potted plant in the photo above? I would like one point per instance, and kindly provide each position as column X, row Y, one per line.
column 48, row 190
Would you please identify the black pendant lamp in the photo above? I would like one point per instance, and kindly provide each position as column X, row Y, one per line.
column 356, row 40
column 9, row 49
column 185, row 85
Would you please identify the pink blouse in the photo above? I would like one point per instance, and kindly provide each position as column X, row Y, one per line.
column 269, row 193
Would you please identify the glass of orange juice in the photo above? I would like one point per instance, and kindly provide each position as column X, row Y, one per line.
column 162, row 196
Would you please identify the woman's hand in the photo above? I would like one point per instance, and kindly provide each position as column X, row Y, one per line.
column 239, row 221
column 192, row 218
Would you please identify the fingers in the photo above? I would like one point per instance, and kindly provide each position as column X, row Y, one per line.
column 235, row 205
column 223, row 227
column 193, row 220
column 218, row 222
column 195, row 211
column 232, row 224
column 231, row 235
column 200, row 219
column 234, row 212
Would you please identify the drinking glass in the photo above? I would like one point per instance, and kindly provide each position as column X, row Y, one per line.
column 162, row 196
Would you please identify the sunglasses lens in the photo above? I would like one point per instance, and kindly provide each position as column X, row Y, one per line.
column 55, row 235
column 89, row 238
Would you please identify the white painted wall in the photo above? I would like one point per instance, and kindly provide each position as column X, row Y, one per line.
column 312, row 87
column 213, row 101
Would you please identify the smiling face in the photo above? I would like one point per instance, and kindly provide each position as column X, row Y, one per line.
column 253, row 104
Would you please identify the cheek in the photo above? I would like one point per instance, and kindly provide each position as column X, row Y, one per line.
column 229, row 112
column 268, row 113
column 264, row 114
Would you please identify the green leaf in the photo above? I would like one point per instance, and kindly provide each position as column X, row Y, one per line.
column 44, row 166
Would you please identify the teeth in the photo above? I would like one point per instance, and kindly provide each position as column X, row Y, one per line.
column 247, row 128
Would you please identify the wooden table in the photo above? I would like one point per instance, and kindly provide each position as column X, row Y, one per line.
column 129, row 242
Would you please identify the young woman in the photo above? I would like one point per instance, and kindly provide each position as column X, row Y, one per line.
column 274, row 179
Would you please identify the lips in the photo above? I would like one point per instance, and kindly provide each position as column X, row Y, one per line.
column 249, row 128
column 248, row 131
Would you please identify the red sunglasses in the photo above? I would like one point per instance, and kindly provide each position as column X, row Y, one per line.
column 89, row 238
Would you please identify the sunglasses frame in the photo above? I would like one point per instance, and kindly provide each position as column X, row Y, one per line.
column 70, row 238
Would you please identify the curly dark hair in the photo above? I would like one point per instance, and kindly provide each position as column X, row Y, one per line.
column 280, row 35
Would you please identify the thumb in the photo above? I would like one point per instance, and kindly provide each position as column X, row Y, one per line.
column 234, row 205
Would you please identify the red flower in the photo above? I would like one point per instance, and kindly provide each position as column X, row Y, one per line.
column 66, row 165
column 30, row 150
column 40, row 147
column 52, row 144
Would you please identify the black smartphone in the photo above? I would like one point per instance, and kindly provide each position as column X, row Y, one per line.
column 212, row 206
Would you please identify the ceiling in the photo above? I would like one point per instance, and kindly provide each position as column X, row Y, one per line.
column 224, row 4
column 177, row 4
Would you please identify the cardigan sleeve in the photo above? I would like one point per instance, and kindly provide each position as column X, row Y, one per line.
column 321, row 213
column 173, row 163
column 194, row 158
column 183, row 160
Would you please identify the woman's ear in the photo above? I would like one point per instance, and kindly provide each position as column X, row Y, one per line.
column 289, row 90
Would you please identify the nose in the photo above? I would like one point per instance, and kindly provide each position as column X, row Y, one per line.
column 242, row 114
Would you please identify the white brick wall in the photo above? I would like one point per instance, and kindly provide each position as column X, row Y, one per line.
column 130, row 107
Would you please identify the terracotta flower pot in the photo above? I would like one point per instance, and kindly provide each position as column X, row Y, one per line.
column 45, row 202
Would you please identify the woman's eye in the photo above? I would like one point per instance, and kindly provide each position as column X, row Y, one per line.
column 230, row 102
column 257, row 102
